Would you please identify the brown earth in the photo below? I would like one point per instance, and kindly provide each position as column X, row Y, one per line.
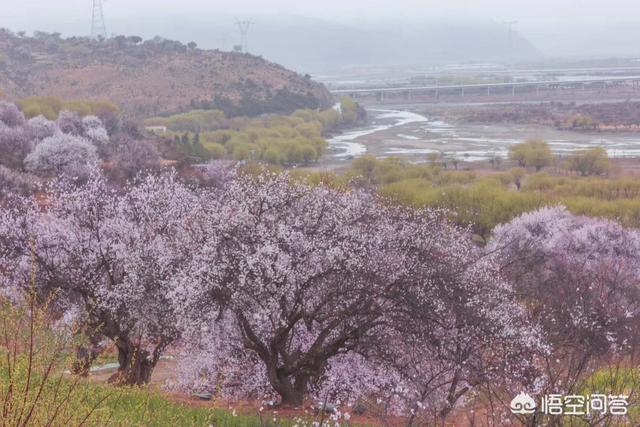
column 622, row 115
column 151, row 77
column 166, row 370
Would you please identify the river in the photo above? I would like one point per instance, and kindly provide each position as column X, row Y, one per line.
column 413, row 136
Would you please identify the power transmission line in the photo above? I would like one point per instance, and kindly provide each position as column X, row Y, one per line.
column 510, row 25
column 98, row 27
column 244, row 27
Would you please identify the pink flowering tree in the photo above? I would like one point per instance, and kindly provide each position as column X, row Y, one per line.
column 62, row 154
column 457, row 329
column 107, row 256
column 10, row 115
column 15, row 138
column 134, row 157
column 296, row 275
column 14, row 183
column 70, row 122
column 42, row 128
column 302, row 291
column 580, row 279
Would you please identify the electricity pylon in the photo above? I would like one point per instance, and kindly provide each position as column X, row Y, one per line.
column 244, row 27
column 510, row 25
column 98, row 27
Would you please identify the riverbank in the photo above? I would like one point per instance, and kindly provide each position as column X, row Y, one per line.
column 414, row 133
column 603, row 116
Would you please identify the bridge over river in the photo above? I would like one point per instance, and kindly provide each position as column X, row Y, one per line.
column 512, row 89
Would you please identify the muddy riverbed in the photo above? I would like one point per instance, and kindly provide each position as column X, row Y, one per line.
column 412, row 134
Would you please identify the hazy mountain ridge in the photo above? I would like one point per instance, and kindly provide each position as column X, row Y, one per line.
column 151, row 77
column 325, row 46
column 316, row 45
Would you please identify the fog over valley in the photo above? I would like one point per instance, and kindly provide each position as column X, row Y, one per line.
column 314, row 38
column 334, row 213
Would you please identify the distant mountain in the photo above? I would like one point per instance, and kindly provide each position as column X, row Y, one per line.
column 318, row 46
column 603, row 40
column 151, row 77
column 314, row 45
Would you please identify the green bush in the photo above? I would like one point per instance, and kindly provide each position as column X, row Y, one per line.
column 50, row 106
column 485, row 201
column 277, row 139
column 532, row 153
column 611, row 380
column 37, row 390
column 593, row 161
column 193, row 121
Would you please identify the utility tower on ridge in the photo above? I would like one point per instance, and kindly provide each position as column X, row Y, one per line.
column 510, row 25
column 98, row 27
column 244, row 27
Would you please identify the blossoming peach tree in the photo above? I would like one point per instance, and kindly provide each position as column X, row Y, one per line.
column 268, row 287
column 303, row 290
column 580, row 279
column 104, row 258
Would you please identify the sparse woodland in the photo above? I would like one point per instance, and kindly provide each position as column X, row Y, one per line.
column 138, row 227
column 394, row 290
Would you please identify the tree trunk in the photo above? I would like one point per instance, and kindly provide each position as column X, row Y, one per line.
column 292, row 399
column 292, row 393
column 136, row 365
column 86, row 355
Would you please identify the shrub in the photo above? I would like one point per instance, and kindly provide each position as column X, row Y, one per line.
column 593, row 161
column 33, row 356
column 15, row 183
column 10, row 115
column 62, row 154
column 50, row 107
column 15, row 144
column 535, row 153
column 280, row 140
column 42, row 128
column 134, row 157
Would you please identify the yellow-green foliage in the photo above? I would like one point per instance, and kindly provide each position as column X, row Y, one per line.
column 610, row 380
column 276, row 139
column 581, row 121
column 532, row 153
column 592, row 161
column 604, row 189
column 349, row 110
column 326, row 178
column 486, row 201
column 482, row 204
column 50, row 106
column 260, row 169
column 279, row 140
column 193, row 121
column 36, row 390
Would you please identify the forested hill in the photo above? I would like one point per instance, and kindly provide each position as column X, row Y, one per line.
column 151, row 77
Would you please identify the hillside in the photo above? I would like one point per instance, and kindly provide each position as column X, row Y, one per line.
column 151, row 77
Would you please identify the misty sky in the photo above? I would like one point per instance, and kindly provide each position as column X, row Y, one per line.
column 528, row 12
column 555, row 26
